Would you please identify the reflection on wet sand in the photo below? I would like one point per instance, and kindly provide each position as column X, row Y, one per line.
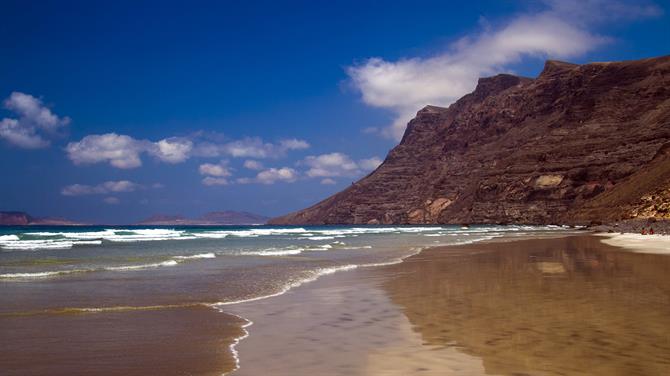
column 567, row 306
column 171, row 341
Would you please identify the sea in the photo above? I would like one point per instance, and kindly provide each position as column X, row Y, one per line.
column 137, row 300
column 103, row 267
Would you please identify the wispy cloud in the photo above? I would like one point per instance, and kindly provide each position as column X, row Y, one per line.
column 35, row 122
column 250, row 147
column 111, row 200
column 563, row 29
column 100, row 189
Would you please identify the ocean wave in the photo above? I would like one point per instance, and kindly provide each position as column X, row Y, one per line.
column 174, row 261
column 144, row 266
column 37, row 275
column 198, row 256
column 274, row 252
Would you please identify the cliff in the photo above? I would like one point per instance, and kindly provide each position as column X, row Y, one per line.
column 578, row 144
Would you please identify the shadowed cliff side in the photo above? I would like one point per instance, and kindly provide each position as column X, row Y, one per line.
column 578, row 144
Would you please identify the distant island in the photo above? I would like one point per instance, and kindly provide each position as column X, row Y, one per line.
column 226, row 217
column 17, row 218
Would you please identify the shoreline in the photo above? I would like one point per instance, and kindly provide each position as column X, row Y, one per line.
column 365, row 280
column 651, row 244
column 275, row 319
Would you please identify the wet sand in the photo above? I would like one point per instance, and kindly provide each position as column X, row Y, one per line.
column 174, row 341
column 566, row 306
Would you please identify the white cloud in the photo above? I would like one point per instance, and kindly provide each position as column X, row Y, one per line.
column 272, row 175
column 104, row 188
column 560, row 31
column 254, row 147
column 293, row 144
column 34, row 119
column 328, row 181
column 220, row 170
column 338, row 164
column 111, row 201
column 122, row 151
column 172, row 150
column 253, row 165
column 210, row 180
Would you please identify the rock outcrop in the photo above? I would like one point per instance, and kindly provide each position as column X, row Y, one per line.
column 577, row 145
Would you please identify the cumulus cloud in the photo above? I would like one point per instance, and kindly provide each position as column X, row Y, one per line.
column 271, row 176
column 123, row 151
column 338, row 165
column 253, row 165
column 172, row 150
column 561, row 30
column 120, row 151
column 103, row 188
column 221, row 169
column 34, row 122
column 215, row 173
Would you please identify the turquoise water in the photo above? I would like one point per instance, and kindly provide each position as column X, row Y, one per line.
column 51, row 268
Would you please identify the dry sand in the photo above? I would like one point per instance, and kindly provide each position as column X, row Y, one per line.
column 657, row 244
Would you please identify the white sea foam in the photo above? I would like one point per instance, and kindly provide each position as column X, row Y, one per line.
column 39, row 275
column 321, row 237
column 143, row 266
column 176, row 260
column 232, row 347
column 36, row 244
column 211, row 234
column 290, row 251
column 198, row 256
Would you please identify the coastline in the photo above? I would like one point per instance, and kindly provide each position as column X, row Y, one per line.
column 387, row 320
column 654, row 244
column 373, row 317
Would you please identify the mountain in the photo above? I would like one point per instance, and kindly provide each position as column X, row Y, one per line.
column 235, row 218
column 578, row 144
column 10, row 218
column 225, row 217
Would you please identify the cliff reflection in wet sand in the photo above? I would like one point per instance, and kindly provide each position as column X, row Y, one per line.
column 544, row 306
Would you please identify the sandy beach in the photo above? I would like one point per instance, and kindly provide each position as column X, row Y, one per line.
column 657, row 244
column 562, row 306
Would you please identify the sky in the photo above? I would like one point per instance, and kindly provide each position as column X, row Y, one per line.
column 114, row 111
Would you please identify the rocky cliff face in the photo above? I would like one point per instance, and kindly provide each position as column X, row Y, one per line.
column 578, row 144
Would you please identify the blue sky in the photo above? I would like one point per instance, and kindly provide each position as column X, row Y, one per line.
column 113, row 112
